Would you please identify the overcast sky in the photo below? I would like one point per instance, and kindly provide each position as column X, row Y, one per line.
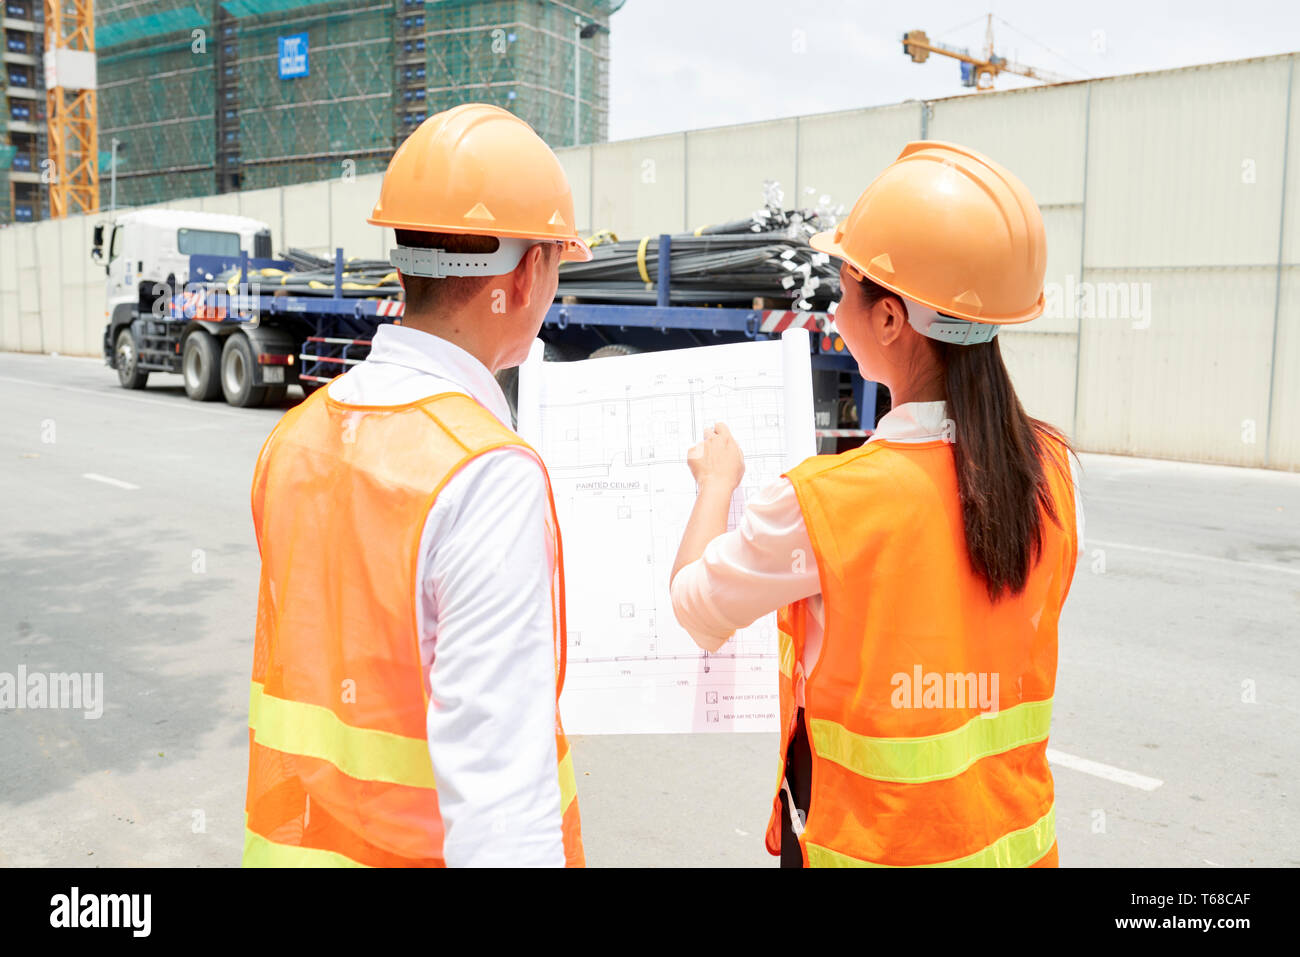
column 686, row 64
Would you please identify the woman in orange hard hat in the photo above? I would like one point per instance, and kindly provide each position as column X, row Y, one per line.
column 920, row 577
column 409, row 651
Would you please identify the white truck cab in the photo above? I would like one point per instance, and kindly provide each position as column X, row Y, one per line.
column 153, row 246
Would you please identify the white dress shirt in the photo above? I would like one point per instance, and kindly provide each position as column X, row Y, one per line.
column 484, row 607
column 747, row 572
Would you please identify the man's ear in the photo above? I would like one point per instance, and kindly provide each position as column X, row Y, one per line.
column 528, row 275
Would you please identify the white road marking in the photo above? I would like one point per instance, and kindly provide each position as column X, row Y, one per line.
column 108, row 481
column 60, row 356
column 1097, row 769
column 118, row 394
column 1262, row 566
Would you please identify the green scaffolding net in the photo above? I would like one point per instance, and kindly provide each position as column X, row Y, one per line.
column 7, row 153
column 6, row 159
column 114, row 28
column 211, row 95
column 156, row 80
column 158, row 103
column 338, row 116
column 520, row 55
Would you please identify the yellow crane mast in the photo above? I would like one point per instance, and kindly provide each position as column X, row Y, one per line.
column 73, row 126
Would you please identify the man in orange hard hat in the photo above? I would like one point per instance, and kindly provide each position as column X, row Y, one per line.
column 410, row 629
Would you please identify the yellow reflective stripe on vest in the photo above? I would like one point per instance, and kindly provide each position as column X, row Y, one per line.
column 317, row 732
column 785, row 661
column 259, row 852
column 568, row 782
column 938, row 756
column 1018, row 849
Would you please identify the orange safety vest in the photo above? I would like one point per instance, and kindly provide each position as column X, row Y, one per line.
column 339, row 772
column 908, row 767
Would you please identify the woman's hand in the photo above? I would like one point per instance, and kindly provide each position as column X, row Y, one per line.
column 717, row 459
column 718, row 467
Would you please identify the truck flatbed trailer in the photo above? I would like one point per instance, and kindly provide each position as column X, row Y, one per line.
column 229, row 335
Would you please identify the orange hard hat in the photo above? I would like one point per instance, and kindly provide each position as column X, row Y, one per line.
column 481, row 170
column 949, row 228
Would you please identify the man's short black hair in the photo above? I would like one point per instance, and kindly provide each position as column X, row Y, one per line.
column 425, row 294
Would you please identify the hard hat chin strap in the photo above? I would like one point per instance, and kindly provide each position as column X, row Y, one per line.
column 440, row 264
column 960, row 332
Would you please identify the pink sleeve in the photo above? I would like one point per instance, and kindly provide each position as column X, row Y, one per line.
column 763, row 564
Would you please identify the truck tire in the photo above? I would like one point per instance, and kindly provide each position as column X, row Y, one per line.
column 201, row 366
column 614, row 349
column 126, row 359
column 238, row 362
column 554, row 352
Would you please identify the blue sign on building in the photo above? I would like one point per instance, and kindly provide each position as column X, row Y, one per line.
column 293, row 56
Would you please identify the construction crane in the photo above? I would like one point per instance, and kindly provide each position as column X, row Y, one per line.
column 976, row 71
column 70, row 108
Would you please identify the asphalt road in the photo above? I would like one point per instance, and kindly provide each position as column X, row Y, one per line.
column 127, row 550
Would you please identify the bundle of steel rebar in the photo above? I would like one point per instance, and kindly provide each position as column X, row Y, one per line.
column 313, row 275
column 765, row 256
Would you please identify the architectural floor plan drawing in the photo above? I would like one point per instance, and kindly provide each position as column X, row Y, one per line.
column 614, row 434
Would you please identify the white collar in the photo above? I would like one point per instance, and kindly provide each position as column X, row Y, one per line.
column 430, row 354
column 914, row 422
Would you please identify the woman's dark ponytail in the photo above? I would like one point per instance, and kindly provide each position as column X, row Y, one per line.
column 1000, row 457
column 999, row 454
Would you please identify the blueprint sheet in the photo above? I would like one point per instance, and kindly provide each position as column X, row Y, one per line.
column 614, row 433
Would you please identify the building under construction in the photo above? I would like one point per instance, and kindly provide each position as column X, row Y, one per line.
column 22, row 113
column 208, row 97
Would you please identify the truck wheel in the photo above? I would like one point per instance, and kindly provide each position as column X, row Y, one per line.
column 238, row 361
column 127, row 360
column 201, row 366
column 554, row 352
column 614, row 349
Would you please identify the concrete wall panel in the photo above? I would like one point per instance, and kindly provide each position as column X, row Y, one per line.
column 1185, row 167
column 841, row 153
column 639, row 186
column 1037, row 133
column 307, row 217
column 577, row 163
column 1190, row 383
column 1284, row 426
column 1042, row 370
column 727, row 167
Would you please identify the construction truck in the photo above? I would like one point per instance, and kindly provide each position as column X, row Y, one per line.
column 150, row 258
column 186, row 296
